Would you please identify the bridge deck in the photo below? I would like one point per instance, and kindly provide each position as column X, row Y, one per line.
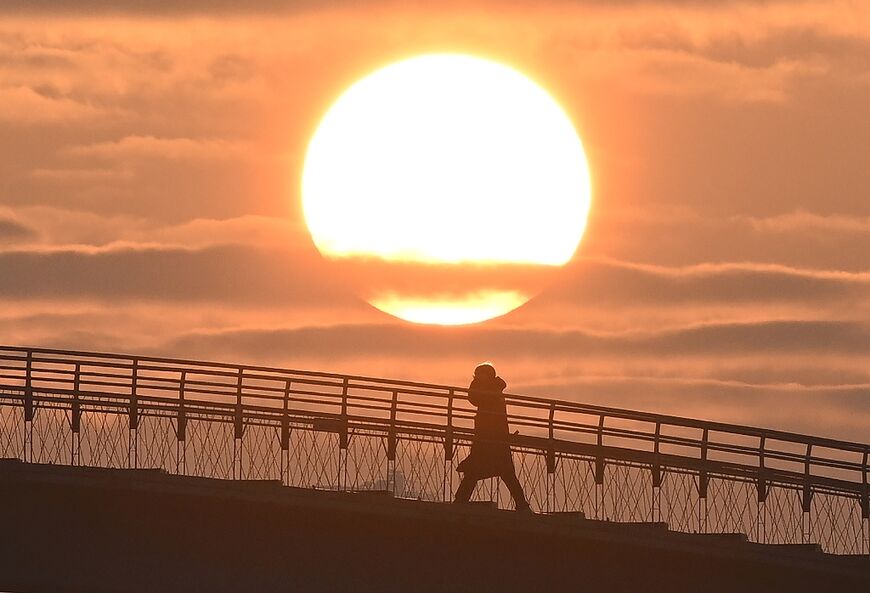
column 72, row 530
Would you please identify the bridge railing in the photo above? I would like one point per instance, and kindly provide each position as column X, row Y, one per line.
column 354, row 432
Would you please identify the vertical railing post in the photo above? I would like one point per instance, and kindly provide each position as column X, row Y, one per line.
column 763, row 489
column 865, row 504
column 343, row 438
column 551, row 459
column 285, row 435
column 133, row 433
column 807, row 498
column 392, row 444
column 29, row 409
column 599, row 470
column 657, row 476
column 238, row 428
column 181, row 430
column 449, row 451
column 703, row 484
column 76, row 418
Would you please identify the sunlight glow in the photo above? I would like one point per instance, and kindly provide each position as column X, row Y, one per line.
column 446, row 159
column 450, row 310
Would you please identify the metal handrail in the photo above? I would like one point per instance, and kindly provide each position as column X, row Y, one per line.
column 261, row 390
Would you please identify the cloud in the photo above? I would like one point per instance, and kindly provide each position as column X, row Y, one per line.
column 25, row 105
column 605, row 281
column 259, row 260
column 65, row 175
column 682, row 75
column 229, row 275
column 77, row 229
column 212, row 7
column 780, row 43
column 803, row 220
column 349, row 341
column 84, row 231
column 712, row 269
column 36, row 57
column 12, row 231
column 249, row 230
column 156, row 7
column 165, row 148
column 801, row 239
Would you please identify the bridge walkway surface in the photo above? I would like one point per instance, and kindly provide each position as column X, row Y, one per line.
column 89, row 530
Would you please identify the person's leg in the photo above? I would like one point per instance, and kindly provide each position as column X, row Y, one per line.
column 509, row 477
column 466, row 488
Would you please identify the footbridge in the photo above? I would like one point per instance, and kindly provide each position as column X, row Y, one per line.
column 338, row 435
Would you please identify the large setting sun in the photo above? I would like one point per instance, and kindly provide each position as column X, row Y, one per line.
column 448, row 162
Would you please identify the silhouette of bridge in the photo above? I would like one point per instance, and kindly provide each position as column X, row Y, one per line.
column 350, row 433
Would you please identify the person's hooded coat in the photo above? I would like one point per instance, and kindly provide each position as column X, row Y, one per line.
column 490, row 452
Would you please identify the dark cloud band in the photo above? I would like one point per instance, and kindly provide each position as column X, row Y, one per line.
column 729, row 339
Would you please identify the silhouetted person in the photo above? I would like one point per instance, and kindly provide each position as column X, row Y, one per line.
column 490, row 452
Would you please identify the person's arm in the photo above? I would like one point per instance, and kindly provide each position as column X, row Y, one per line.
column 500, row 384
column 474, row 394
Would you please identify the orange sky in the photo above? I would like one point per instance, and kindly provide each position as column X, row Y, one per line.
column 150, row 161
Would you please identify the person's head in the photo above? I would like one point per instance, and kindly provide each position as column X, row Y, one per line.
column 484, row 371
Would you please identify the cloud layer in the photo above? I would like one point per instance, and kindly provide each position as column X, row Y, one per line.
column 150, row 159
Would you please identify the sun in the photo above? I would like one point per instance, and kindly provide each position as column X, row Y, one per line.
column 448, row 186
